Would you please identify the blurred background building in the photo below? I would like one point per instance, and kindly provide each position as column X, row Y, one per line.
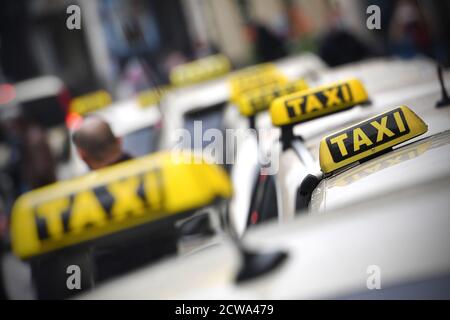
column 138, row 41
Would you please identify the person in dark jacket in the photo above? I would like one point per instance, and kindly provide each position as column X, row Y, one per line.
column 340, row 46
column 267, row 45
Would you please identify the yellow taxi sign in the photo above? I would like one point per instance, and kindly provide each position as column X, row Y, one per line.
column 369, row 137
column 253, row 71
column 151, row 97
column 200, row 70
column 254, row 77
column 90, row 102
column 317, row 102
column 113, row 199
column 257, row 100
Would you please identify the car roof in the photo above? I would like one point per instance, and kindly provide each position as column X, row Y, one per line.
column 39, row 87
column 127, row 116
column 328, row 255
column 405, row 167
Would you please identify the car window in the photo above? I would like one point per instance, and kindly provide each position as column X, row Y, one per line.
column 211, row 118
column 141, row 142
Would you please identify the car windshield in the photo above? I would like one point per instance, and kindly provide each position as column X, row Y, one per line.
column 141, row 142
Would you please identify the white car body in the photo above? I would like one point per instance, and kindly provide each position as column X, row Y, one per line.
column 393, row 220
column 401, row 233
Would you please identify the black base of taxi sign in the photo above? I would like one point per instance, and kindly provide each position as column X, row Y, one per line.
column 369, row 138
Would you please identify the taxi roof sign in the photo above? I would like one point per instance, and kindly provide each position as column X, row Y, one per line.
column 254, row 77
column 152, row 96
column 369, row 138
column 252, row 70
column 317, row 102
column 257, row 100
column 200, row 70
column 90, row 102
column 113, row 199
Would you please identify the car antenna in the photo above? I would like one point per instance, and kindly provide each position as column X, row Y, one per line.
column 445, row 101
column 253, row 262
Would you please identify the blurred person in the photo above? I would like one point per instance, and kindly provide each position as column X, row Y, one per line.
column 97, row 145
column 267, row 45
column 408, row 34
column 297, row 28
column 39, row 164
column 132, row 36
column 172, row 60
column 31, row 163
column 133, row 80
column 339, row 45
column 300, row 25
column 203, row 49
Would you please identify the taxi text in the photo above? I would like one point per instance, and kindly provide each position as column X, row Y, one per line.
column 129, row 197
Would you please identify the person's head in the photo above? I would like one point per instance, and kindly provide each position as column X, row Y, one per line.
column 96, row 143
column 250, row 30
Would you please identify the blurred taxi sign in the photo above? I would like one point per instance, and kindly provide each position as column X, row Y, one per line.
column 90, row 102
column 152, row 97
column 317, row 102
column 257, row 100
column 254, row 77
column 368, row 138
column 114, row 199
column 253, row 71
column 200, row 70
